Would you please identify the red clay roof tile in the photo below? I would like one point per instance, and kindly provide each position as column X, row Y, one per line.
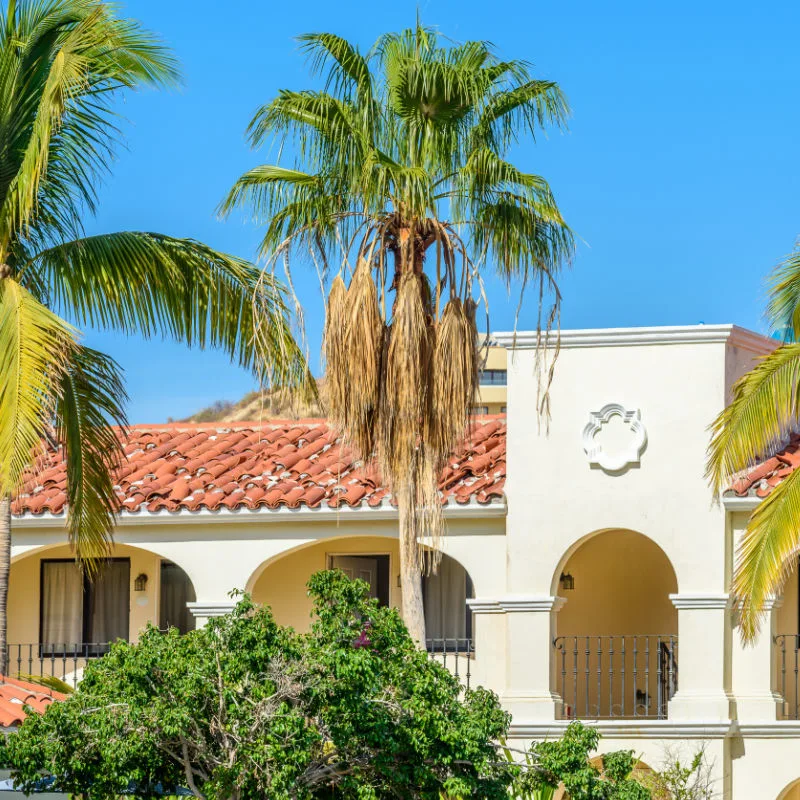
column 761, row 479
column 15, row 695
column 298, row 463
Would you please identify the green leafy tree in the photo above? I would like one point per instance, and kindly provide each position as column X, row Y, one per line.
column 245, row 708
column 400, row 175
column 63, row 64
column 759, row 420
column 567, row 762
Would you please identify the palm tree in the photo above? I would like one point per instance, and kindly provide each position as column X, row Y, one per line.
column 400, row 175
column 764, row 412
column 62, row 63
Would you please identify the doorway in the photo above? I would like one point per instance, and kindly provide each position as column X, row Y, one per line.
column 372, row 569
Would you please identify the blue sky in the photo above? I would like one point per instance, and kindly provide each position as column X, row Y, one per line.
column 679, row 173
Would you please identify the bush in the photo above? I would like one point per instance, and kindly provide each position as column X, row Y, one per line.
column 245, row 708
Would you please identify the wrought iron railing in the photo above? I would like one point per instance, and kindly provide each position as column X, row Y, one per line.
column 454, row 654
column 56, row 659
column 787, row 646
column 601, row 677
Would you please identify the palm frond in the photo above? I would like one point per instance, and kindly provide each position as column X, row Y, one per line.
column 764, row 557
column 60, row 64
column 763, row 412
column 159, row 285
column 91, row 400
column 783, row 310
column 348, row 65
column 34, row 352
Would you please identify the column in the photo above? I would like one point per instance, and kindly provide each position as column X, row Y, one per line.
column 528, row 686
column 203, row 611
column 703, row 628
column 754, row 668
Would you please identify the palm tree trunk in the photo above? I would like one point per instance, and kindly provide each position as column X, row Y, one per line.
column 411, row 576
column 5, row 569
column 407, row 260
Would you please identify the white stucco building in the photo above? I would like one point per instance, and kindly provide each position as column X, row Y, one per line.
column 593, row 556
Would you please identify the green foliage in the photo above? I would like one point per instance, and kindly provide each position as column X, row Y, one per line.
column 245, row 708
column 680, row 781
column 566, row 761
column 63, row 66
column 759, row 420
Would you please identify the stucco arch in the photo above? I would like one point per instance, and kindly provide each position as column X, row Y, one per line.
column 281, row 580
column 580, row 542
column 42, row 550
column 329, row 542
column 791, row 792
column 24, row 602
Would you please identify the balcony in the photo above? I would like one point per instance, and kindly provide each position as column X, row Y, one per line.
column 616, row 677
column 456, row 655
column 61, row 660
column 67, row 661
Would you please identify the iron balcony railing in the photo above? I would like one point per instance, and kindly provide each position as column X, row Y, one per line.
column 787, row 646
column 454, row 654
column 624, row 676
column 57, row 659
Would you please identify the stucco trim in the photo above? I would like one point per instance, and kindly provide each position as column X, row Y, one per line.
column 628, row 729
column 701, row 601
column 213, row 609
column 779, row 729
column 632, row 337
column 735, row 503
column 226, row 516
column 514, row 603
column 627, row 456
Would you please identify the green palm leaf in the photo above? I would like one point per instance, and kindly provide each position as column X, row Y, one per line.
column 34, row 352
column 763, row 412
column 154, row 284
column 91, row 399
column 764, row 558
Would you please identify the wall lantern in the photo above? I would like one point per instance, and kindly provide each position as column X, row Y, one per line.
column 140, row 584
column 567, row 581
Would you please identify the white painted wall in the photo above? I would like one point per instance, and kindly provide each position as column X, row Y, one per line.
column 679, row 379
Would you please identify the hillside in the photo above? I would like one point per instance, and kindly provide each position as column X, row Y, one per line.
column 255, row 406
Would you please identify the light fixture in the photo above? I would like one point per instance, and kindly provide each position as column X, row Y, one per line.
column 140, row 584
column 567, row 581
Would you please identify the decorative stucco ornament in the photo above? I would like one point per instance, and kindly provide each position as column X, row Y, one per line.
column 626, row 446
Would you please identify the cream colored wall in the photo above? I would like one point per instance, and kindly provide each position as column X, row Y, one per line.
column 622, row 586
column 282, row 585
column 24, row 591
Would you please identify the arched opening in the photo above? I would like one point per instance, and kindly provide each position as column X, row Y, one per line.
column 791, row 792
column 376, row 560
column 59, row 617
column 617, row 644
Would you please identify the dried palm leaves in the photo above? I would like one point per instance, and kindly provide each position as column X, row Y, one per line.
column 401, row 389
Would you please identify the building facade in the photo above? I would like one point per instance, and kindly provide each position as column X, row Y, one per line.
column 587, row 565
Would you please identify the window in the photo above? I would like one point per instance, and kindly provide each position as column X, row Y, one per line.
column 503, row 409
column 480, row 410
column 82, row 616
column 176, row 591
column 493, row 377
column 448, row 618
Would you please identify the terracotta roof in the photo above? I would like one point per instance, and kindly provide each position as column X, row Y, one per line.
column 761, row 479
column 242, row 465
column 16, row 694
